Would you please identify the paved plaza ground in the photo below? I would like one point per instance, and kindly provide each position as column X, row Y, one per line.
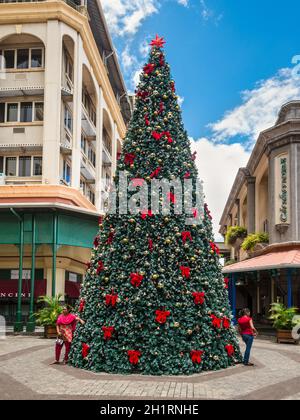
column 25, row 373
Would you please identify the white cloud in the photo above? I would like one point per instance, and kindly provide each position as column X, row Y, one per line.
column 218, row 165
column 184, row 3
column 128, row 59
column 260, row 107
column 180, row 100
column 126, row 16
column 209, row 14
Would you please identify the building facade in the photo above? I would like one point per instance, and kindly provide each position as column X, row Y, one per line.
column 265, row 198
column 63, row 115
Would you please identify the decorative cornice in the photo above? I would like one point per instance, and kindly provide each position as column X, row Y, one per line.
column 21, row 13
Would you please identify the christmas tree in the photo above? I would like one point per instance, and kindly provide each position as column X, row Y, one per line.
column 154, row 298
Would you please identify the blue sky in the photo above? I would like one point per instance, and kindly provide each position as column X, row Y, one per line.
column 232, row 63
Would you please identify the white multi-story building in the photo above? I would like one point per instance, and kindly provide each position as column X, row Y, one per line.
column 63, row 114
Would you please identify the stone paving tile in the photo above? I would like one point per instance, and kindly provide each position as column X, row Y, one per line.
column 277, row 369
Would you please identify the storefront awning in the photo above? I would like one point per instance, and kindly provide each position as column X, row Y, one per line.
column 72, row 289
column 272, row 260
column 9, row 289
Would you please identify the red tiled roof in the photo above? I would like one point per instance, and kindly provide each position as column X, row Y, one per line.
column 273, row 260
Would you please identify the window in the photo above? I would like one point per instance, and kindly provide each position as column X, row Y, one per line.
column 25, row 166
column 83, row 143
column 2, row 113
column 9, row 56
column 36, row 57
column 22, row 166
column 23, row 59
column 37, row 166
column 67, row 172
column 29, row 112
column 1, row 164
column 12, row 113
column 68, row 119
column 39, row 111
column 26, row 112
column 11, row 166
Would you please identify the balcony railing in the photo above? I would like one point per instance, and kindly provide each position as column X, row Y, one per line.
column 73, row 3
column 107, row 143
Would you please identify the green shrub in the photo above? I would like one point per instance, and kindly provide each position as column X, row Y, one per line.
column 49, row 314
column 235, row 232
column 254, row 239
column 282, row 317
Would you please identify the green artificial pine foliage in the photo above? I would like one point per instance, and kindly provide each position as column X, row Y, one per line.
column 154, row 297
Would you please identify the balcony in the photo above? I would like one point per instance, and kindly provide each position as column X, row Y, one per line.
column 87, row 170
column 87, row 124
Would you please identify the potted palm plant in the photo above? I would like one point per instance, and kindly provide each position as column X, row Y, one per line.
column 48, row 315
column 283, row 321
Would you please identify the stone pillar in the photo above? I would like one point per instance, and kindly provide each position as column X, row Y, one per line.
column 77, row 100
column 52, row 104
column 114, row 149
column 99, row 152
column 237, row 202
column 251, row 204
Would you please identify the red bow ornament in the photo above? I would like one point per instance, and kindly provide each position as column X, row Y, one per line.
column 133, row 356
column 129, row 158
column 156, row 135
column 136, row 279
column 226, row 282
column 214, row 248
column 100, row 267
column 187, row 175
column 185, row 271
column 108, row 331
column 226, row 323
column 96, row 242
column 81, row 305
column 196, row 356
column 146, row 213
column 111, row 300
column 230, row 350
column 216, row 322
column 173, row 86
column 142, row 94
column 110, row 238
column 207, row 211
column 149, row 68
column 161, row 316
column 199, row 298
column 85, row 350
column 161, row 108
column 185, row 236
column 161, row 60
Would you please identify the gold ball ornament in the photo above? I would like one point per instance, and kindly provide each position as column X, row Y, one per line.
column 155, row 276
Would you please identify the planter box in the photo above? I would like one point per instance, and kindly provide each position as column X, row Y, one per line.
column 285, row 336
column 50, row 331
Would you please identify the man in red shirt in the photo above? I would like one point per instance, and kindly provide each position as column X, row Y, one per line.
column 248, row 332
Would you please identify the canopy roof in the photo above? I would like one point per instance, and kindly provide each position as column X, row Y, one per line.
column 281, row 258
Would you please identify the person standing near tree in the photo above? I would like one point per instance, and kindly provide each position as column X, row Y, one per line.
column 65, row 327
column 248, row 332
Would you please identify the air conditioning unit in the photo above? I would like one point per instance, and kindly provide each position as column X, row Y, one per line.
column 2, row 179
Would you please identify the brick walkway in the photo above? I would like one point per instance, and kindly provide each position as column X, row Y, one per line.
column 26, row 374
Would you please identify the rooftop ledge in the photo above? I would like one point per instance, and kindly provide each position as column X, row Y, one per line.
column 50, row 195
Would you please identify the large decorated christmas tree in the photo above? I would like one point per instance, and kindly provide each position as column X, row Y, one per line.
column 154, row 298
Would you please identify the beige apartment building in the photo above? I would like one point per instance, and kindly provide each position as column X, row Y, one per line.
column 265, row 198
column 63, row 114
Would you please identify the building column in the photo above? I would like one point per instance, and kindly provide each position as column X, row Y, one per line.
column 258, row 292
column 77, row 111
column 232, row 296
column 59, row 282
column 54, row 253
column 18, row 324
column 99, row 152
column 251, row 204
column 289, row 287
column 31, row 320
column 52, row 104
column 114, row 150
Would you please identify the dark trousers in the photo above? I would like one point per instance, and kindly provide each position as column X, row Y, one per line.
column 248, row 340
column 58, row 349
